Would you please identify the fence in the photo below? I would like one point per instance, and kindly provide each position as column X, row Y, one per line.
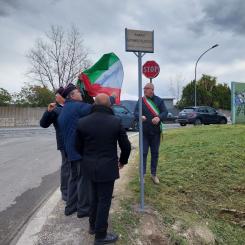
column 11, row 116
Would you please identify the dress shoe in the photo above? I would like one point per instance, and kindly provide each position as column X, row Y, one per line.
column 82, row 215
column 110, row 238
column 70, row 212
column 155, row 179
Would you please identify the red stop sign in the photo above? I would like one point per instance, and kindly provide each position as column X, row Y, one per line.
column 151, row 69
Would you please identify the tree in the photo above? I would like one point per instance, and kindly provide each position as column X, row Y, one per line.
column 205, row 89
column 5, row 97
column 59, row 59
column 187, row 96
column 34, row 95
column 222, row 95
column 208, row 93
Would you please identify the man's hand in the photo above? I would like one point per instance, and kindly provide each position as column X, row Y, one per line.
column 51, row 106
column 155, row 120
column 143, row 118
column 120, row 166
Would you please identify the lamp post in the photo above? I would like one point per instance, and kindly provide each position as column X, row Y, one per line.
column 195, row 84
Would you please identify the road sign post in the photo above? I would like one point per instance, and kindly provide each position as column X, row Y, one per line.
column 140, row 42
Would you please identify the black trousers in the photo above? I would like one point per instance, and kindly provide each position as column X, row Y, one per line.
column 152, row 141
column 79, row 190
column 64, row 175
column 100, row 207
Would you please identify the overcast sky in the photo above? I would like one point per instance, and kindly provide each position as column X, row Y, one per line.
column 182, row 31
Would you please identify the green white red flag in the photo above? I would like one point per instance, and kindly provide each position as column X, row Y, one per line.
column 105, row 76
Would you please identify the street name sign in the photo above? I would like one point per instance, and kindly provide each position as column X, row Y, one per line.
column 139, row 41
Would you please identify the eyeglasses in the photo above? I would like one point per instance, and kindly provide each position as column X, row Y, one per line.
column 148, row 88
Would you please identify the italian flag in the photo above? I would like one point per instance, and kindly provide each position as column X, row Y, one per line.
column 105, row 76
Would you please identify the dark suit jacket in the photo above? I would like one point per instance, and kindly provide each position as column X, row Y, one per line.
column 67, row 122
column 97, row 136
column 51, row 117
column 148, row 127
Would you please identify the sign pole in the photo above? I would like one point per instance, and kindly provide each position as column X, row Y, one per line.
column 140, row 132
column 140, row 42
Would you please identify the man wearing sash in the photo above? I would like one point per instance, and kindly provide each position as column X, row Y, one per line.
column 153, row 113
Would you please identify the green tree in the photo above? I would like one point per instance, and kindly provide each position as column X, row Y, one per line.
column 187, row 96
column 222, row 96
column 205, row 89
column 5, row 97
column 34, row 95
column 208, row 93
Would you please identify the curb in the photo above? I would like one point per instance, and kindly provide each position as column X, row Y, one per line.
column 30, row 234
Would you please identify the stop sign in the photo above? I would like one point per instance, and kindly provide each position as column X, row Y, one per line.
column 151, row 69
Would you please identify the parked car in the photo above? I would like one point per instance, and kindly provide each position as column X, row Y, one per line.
column 170, row 118
column 127, row 118
column 200, row 115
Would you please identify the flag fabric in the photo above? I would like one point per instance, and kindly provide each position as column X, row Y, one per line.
column 105, row 76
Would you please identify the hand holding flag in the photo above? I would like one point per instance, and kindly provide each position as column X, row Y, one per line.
column 105, row 76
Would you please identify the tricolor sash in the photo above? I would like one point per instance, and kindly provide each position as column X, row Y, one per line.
column 154, row 110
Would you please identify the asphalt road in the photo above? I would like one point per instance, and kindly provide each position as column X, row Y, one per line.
column 29, row 173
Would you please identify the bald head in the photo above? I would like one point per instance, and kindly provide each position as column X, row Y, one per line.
column 149, row 85
column 149, row 90
column 102, row 99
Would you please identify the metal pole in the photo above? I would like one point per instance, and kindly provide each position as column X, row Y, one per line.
column 195, row 81
column 233, row 104
column 140, row 133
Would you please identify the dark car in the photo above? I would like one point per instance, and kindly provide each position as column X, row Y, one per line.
column 127, row 118
column 170, row 118
column 200, row 115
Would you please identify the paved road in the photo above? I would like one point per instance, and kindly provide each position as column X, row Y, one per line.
column 29, row 173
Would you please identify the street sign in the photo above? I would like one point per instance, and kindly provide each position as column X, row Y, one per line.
column 139, row 41
column 151, row 69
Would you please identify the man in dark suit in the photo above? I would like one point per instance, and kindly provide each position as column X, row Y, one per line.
column 50, row 116
column 96, row 141
column 154, row 112
column 78, row 184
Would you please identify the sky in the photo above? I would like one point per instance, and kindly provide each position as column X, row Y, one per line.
column 183, row 30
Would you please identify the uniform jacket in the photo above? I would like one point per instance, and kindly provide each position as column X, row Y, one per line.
column 148, row 126
column 51, row 117
column 96, row 140
column 67, row 121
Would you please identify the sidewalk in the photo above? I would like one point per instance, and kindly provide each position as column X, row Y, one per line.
column 50, row 226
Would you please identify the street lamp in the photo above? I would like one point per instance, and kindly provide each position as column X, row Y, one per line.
column 216, row 45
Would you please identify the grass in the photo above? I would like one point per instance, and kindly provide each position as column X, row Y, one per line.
column 202, row 173
column 124, row 223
